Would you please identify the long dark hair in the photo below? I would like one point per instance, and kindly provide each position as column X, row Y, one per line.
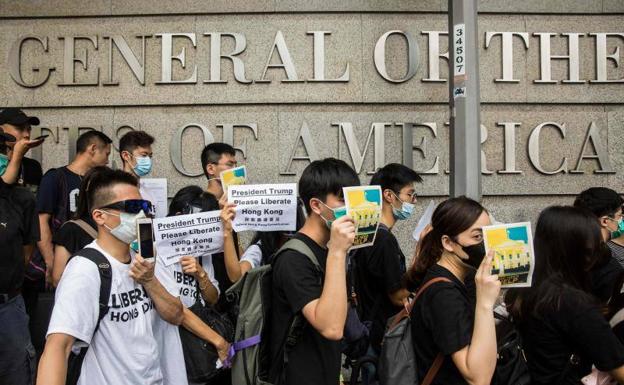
column 567, row 244
column 192, row 197
column 451, row 218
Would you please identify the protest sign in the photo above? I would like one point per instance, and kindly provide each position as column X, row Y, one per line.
column 424, row 220
column 233, row 176
column 194, row 234
column 264, row 207
column 514, row 258
column 363, row 204
column 155, row 191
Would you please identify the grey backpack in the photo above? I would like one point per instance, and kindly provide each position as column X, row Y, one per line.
column 397, row 361
column 251, row 363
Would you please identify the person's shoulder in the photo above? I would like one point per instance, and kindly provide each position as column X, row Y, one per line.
column 22, row 195
column 31, row 163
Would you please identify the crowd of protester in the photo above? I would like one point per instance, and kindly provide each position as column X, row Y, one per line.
column 119, row 318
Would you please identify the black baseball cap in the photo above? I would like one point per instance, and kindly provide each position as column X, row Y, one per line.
column 17, row 117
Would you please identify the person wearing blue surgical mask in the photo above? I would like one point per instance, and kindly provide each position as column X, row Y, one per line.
column 135, row 150
column 375, row 272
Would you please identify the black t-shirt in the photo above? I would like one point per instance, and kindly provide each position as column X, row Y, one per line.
column 576, row 327
column 220, row 272
column 19, row 226
column 377, row 271
column 314, row 360
column 604, row 276
column 72, row 237
column 49, row 200
column 30, row 174
column 442, row 322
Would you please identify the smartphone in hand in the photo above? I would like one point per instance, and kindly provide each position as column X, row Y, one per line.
column 146, row 237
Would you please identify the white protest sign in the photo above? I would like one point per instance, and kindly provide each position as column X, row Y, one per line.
column 264, row 207
column 195, row 234
column 155, row 191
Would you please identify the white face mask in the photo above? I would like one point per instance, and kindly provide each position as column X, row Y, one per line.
column 127, row 230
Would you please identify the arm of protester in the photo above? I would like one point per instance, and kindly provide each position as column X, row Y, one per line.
column 28, row 252
column 61, row 256
column 53, row 363
column 328, row 313
column 477, row 361
column 232, row 265
column 191, row 266
column 19, row 150
column 169, row 307
column 45, row 244
column 198, row 327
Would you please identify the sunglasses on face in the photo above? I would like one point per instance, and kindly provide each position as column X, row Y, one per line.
column 131, row 206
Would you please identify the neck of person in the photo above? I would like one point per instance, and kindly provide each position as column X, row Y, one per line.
column 80, row 165
column 387, row 218
column 452, row 263
column 315, row 228
column 619, row 240
column 215, row 188
column 127, row 167
column 113, row 246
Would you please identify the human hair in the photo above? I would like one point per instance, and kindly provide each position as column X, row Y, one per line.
column 567, row 245
column 270, row 241
column 192, row 196
column 324, row 177
column 133, row 140
column 82, row 204
column 89, row 138
column 394, row 176
column 100, row 190
column 212, row 153
column 599, row 200
column 451, row 218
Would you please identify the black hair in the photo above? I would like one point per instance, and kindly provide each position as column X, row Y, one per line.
column 192, row 196
column 599, row 200
column 567, row 245
column 395, row 176
column 212, row 153
column 451, row 218
column 82, row 204
column 133, row 140
column 270, row 241
column 99, row 191
column 324, row 177
column 89, row 138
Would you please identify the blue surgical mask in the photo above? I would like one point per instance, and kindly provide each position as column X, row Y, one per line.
column 404, row 212
column 620, row 230
column 4, row 163
column 338, row 212
column 143, row 165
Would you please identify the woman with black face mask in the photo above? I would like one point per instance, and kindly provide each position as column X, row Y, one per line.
column 454, row 334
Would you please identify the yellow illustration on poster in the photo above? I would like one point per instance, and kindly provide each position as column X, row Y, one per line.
column 514, row 258
column 363, row 205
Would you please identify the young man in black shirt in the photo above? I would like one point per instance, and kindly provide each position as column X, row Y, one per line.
column 377, row 270
column 58, row 193
column 606, row 205
column 300, row 290
column 15, row 122
column 19, row 232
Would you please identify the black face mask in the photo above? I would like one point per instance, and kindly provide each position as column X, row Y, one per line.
column 475, row 254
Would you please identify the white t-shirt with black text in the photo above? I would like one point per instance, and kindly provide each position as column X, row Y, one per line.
column 186, row 285
column 124, row 351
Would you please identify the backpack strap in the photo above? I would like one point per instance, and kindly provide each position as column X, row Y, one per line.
column 407, row 309
column 106, row 275
column 300, row 247
column 85, row 227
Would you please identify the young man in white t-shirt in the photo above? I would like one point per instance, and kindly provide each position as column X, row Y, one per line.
column 124, row 349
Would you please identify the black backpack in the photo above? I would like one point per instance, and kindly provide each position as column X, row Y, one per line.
column 200, row 357
column 511, row 364
column 74, row 364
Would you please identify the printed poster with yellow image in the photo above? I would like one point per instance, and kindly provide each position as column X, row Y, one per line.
column 363, row 204
column 233, row 176
column 514, row 258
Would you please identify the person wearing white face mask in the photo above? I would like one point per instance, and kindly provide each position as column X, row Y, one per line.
column 375, row 272
column 135, row 150
column 120, row 338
